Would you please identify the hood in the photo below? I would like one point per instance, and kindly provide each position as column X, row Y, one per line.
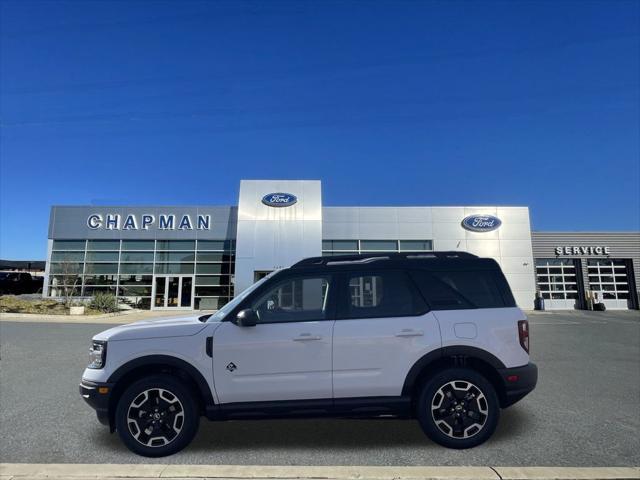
column 158, row 328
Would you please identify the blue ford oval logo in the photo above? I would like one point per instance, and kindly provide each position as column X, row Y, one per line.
column 279, row 199
column 481, row 223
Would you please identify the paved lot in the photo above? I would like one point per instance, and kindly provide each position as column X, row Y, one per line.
column 585, row 411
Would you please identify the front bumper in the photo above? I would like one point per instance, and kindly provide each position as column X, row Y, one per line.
column 97, row 395
column 518, row 383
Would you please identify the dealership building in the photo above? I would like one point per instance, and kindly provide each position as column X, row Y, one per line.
column 198, row 257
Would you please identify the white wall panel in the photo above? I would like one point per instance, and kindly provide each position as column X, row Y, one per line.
column 340, row 214
column 516, row 248
column 522, row 265
column 414, row 231
column 381, row 231
column 514, row 231
column 378, row 214
column 276, row 237
column 445, row 244
column 448, row 230
column 480, row 211
column 484, row 248
column 414, row 214
column 341, row 230
column 494, row 235
column 447, row 214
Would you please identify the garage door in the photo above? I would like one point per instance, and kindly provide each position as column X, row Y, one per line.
column 610, row 279
column 557, row 282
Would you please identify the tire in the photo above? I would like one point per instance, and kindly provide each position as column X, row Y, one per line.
column 157, row 416
column 458, row 408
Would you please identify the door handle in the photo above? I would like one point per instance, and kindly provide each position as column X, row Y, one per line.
column 407, row 332
column 305, row 337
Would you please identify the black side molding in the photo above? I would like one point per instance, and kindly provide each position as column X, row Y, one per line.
column 209, row 347
column 366, row 407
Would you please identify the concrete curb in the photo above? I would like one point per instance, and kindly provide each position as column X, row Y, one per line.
column 24, row 471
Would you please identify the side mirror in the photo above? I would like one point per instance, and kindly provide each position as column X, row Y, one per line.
column 246, row 318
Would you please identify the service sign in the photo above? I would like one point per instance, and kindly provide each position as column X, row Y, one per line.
column 279, row 199
column 481, row 223
column 585, row 250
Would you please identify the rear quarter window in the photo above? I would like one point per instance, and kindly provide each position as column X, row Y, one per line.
column 455, row 290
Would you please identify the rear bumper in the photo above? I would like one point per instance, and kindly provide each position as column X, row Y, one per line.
column 97, row 395
column 518, row 383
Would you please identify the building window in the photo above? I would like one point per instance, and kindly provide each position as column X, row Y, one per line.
column 379, row 245
column 416, row 245
column 69, row 245
column 350, row 247
column 103, row 245
column 125, row 268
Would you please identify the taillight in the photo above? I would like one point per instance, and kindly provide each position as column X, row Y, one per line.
column 523, row 334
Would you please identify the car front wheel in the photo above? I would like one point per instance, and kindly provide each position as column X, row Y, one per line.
column 157, row 416
column 458, row 408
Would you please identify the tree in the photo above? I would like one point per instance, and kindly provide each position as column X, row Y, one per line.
column 68, row 279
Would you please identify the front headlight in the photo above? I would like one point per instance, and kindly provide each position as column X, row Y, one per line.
column 97, row 354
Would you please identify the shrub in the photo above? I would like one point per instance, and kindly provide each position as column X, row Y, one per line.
column 104, row 302
column 13, row 304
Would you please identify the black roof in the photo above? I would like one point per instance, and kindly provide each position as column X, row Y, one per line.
column 423, row 260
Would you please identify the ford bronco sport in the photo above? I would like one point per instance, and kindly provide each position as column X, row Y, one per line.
column 436, row 337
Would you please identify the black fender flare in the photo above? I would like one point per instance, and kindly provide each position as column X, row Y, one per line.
column 168, row 360
column 458, row 351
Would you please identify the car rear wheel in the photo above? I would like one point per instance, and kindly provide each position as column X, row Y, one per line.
column 458, row 408
column 157, row 416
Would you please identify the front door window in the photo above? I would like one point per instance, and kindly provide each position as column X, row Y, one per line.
column 295, row 300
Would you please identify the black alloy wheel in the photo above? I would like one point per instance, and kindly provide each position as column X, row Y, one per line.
column 458, row 408
column 157, row 416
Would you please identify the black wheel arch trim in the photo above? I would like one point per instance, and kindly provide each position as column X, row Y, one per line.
column 458, row 351
column 166, row 360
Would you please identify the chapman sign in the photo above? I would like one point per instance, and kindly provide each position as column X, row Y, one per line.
column 584, row 250
column 145, row 222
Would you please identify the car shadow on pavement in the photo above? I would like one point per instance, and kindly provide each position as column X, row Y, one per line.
column 353, row 434
column 335, row 433
column 313, row 434
column 516, row 421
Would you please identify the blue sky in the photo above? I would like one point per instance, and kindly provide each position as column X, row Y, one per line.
column 388, row 103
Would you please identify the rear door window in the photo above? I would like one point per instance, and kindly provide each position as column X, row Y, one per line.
column 381, row 294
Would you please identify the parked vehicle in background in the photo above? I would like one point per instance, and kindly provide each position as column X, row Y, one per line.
column 434, row 336
column 18, row 283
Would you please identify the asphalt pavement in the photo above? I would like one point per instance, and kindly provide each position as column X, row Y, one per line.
column 585, row 411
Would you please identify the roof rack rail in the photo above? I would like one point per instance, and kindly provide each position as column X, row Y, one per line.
column 372, row 257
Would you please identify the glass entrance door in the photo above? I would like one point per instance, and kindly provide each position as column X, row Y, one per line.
column 173, row 291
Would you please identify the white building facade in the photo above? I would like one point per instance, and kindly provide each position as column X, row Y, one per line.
column 199, row 257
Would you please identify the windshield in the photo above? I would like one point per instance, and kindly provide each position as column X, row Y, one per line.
column 220, row 314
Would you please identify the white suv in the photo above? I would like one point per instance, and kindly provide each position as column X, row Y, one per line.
column 435, row 336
